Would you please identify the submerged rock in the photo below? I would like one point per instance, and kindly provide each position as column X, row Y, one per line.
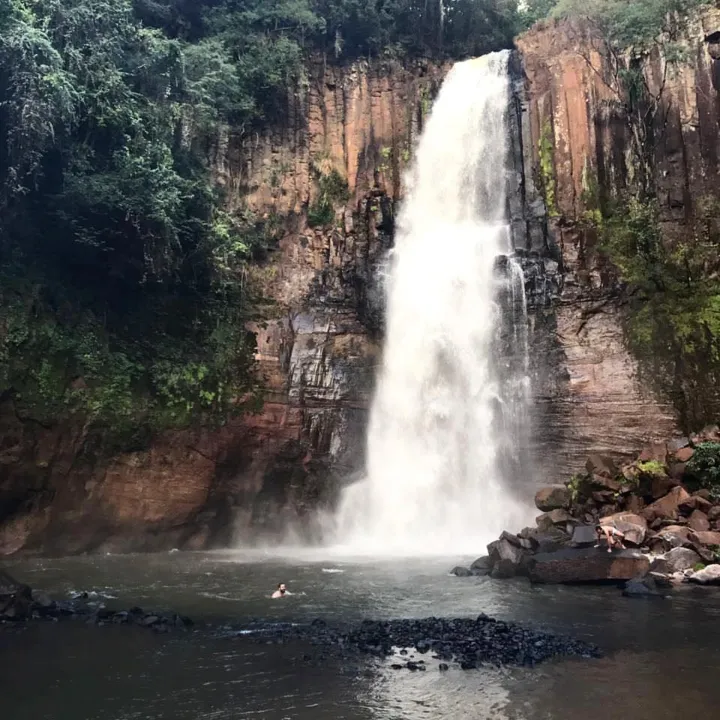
column 15, row 598
column 642, row 587
column 461, row 572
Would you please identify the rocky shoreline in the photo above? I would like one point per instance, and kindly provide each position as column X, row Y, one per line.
column 19, row 603
column 666, row 503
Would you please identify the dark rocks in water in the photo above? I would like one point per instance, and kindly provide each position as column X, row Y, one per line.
column 442, row 667
column 507, row 558
column 642, row 587
column 482, row 566
column 461, row 572
column 19, row 602
column 15, row 598
column 466, row 641
column 587, row 565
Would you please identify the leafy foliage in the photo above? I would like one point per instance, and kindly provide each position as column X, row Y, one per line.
column 123, row 290
column 704, row 467
column 625, row 23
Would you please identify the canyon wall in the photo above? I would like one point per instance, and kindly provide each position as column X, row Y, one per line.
column 320, row 333
column 590, row 393
column 318, row 343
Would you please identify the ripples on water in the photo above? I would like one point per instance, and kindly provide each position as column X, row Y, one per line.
column 661, row 663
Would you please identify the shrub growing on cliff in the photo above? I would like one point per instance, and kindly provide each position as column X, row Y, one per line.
column 704, row 467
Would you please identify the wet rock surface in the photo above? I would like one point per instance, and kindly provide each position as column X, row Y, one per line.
column 467, row 642
column 665, row 526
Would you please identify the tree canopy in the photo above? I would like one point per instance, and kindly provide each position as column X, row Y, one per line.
column 123, row 290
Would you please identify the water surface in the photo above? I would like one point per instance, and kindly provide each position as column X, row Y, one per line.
column 661, row 658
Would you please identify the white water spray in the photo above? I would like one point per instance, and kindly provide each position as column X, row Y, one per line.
column 448, row 421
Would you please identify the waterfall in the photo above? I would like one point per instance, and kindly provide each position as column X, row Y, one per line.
column 448, row 428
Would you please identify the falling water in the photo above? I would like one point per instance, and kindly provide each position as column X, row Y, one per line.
column 448, row 423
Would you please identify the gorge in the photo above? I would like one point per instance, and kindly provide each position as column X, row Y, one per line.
column 318, row 347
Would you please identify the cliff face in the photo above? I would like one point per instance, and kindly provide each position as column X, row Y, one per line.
column 591, row 395
column 317, row 346
column 319, row 342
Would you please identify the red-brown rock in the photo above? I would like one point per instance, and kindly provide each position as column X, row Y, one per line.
column 666, row 507
column 553, row 498
column 684, row 454
column 601, row 466
column 707, row 538
column 586, row 565
column 698, row 521
column 655, row 452
column 696, row 502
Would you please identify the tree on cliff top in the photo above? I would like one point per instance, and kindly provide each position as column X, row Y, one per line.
column 626, row 23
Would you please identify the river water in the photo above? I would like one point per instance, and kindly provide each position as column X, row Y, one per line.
column 661, row 655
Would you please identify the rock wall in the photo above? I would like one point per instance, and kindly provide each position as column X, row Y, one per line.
column 590, row 396
column 317, row 346
column 319, row 339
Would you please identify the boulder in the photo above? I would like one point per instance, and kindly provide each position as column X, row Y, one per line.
column 586, row 565
column 661, row 485
column 707, row 538
column 679, row 559
column 482, row 566
column 634, row 504
column 583, row 535
column 711, row 433
column 601, row 466
column 698, row 521
column 555, row 497
column 709, row 576
column 666, row 507
column 684, row 454
column 634, row 527
column 461, row 572
column 714, row 514
column 547, row 521
column 677, row 471
column 654, row 452
column 695, row 502
column 15, row 598
column 676, row 443
column 507, row 560
column 642, row 587
column 549, row 541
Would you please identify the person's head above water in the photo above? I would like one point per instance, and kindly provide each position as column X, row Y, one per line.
column 281, row 588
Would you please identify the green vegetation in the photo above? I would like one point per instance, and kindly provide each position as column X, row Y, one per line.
column 634, row 24
column 547, row 168
column 124, row 283
column 651, row 468
column 332, row 193
column 704, row 467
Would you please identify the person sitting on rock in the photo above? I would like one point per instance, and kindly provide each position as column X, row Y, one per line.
column 280, row 592
column 612, row 536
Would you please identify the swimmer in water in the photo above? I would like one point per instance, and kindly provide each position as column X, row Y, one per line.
column 280, row 592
